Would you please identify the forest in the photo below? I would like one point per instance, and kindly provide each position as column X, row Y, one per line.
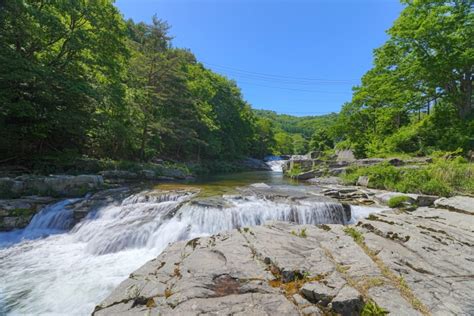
column 78, row 80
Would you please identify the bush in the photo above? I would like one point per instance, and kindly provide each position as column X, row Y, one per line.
column 443, row 177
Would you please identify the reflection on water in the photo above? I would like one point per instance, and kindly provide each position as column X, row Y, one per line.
column 227, row 183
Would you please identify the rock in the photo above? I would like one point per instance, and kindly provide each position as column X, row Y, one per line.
column 396, row 162
column 418, row 199
column 318, row 293
column 254, row 164
column 311, row 311
column 17, row 213
column 314, row 154
column 369, row 161
column 345, row 155
column 363, row 181
column 325, row 180
column 307, row 175
column 348, row 302
column 260, row 186
column 56, row 185
column 337, row 171
column 463, row 204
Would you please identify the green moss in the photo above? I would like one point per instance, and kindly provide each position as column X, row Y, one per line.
column 398, row 201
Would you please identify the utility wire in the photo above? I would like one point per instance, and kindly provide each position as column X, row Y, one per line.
column 269, row 76
column 292, row 89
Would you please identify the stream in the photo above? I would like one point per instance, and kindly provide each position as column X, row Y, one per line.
column 47, row 268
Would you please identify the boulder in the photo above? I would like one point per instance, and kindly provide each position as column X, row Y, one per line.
column 463, row 204
column 345, row 155
column 363, row 181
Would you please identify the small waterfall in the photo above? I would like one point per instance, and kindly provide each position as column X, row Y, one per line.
column 52, row 219
column 73, row 271
column 275, row 163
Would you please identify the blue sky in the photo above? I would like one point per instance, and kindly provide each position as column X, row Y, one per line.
column 298, row 57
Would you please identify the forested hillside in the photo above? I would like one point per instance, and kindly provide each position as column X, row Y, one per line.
column 297, row 135
column 76, row 79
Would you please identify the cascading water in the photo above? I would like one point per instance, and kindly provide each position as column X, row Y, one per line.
column 275, row 163
column 70, row 273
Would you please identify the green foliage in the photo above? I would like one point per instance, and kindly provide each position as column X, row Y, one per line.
column 444, row 177
column 355, row 234
column 397, row 201
column 79, row 80
column 418, row 96
column 372, row 309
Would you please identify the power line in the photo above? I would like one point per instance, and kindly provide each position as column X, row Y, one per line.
column 293, row 89
column 266, row 75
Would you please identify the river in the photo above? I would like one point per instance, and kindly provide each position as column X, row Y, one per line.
column 48, row 269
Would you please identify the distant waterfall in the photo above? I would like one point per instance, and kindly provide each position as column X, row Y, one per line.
column 275, row 163
column 70, row 273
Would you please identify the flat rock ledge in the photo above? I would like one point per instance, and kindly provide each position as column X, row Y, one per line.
column 417, row 263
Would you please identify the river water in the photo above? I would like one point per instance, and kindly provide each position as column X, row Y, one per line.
column 48, row 269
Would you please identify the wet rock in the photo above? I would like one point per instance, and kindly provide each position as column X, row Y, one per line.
column 462, row 204
column 307, row 175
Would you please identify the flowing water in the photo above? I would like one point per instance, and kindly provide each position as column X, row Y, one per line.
column 47, row 269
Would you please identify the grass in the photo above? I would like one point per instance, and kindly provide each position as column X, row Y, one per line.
column 355, row 234
column 444, row 177
column 372, row 309
column 302, row 233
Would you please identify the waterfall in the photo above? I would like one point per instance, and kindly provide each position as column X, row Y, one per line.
column 275, row 163
column 71, row 272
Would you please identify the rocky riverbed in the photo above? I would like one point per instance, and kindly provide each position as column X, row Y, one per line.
column 405, row 263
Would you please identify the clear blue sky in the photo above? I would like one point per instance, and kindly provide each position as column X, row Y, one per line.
column 299, row 57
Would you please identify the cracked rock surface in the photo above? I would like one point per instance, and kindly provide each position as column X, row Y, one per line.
column 411, row 263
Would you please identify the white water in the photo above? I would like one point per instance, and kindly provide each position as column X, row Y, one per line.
column 71, row 272
column 276, row 165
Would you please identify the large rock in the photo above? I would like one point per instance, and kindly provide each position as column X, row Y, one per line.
column 56, row 185
column 409, row 264
column 462, row 204
column 418, row 199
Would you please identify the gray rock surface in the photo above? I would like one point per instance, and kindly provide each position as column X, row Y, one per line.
column 464, row 204
column 413, row 263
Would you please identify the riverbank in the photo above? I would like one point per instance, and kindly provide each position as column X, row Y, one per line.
column 445, row 175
